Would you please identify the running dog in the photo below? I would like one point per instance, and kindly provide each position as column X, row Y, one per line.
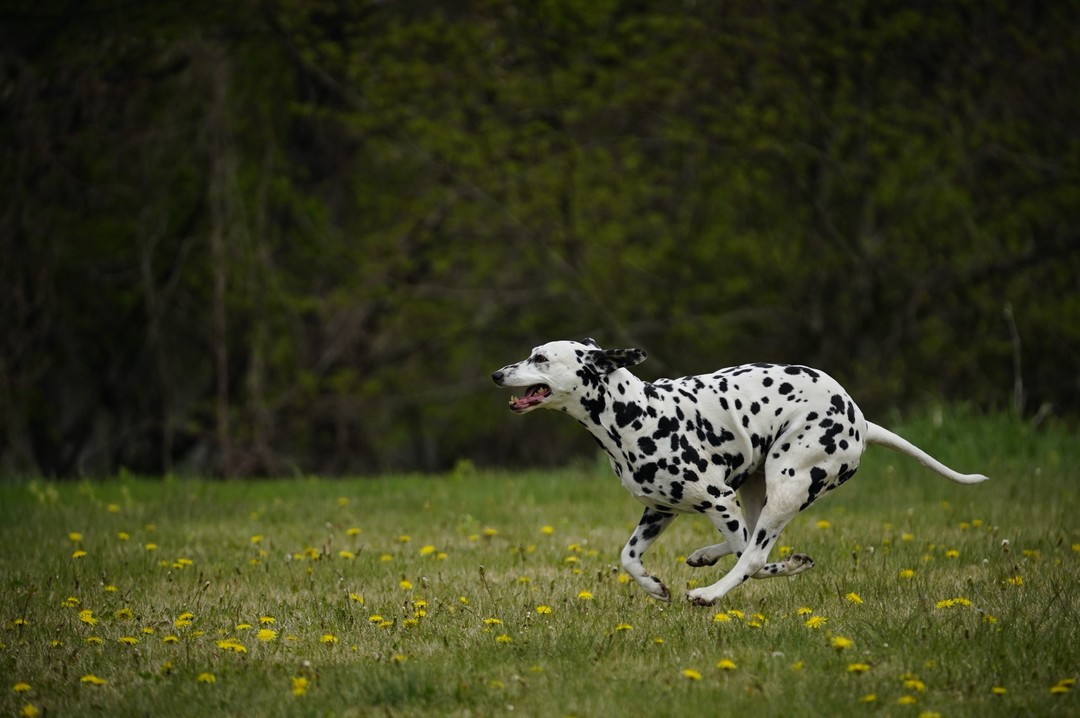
column 749, row 447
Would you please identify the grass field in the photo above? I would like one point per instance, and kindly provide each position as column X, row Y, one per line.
column 489, row 594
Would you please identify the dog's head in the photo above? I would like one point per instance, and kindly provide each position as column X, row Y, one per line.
column 557, row 373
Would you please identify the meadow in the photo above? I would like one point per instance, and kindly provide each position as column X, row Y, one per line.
column 487, row 593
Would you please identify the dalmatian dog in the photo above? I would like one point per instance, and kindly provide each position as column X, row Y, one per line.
column 748, row 446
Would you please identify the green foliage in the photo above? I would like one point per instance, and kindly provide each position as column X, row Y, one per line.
column 404, row 198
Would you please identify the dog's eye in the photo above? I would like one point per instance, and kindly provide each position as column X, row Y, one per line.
column 539, row 359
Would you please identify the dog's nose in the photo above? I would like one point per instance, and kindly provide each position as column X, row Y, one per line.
column 497, row 377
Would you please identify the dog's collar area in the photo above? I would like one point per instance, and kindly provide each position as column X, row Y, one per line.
column 534, row 396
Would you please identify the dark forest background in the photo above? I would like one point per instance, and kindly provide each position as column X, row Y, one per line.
column 260, row 237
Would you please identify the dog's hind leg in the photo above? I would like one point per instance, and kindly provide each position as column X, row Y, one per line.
column 788, row 488
column 752, row 500
column 652, row 524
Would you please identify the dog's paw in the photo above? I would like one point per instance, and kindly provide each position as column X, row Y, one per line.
column 658, row 590
column 699, row 597
column 702, row 557
column 797, row 563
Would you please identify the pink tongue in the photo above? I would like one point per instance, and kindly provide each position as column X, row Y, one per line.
column 534, row 395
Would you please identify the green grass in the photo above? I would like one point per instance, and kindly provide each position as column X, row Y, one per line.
column 493, row 560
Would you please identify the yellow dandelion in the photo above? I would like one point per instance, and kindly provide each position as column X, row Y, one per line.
column 266, row 634
column 109, row 588
column 267, row 620
column 375, row 618
column 585, row 595
column 206, row 678
column 492, row 622
column 151, row 547
column 386, row 558
column 804, row 611
column 906, row 574
column 356, row 598
column 343, row 501
column 798, row 666
column 907, row 537
column 1063, row 686
column 353, row 531
column 824, row 524
column 945, row 603
column 489, row 533
column 128, row 640
column 405, row 584
column 427, row 550
column 547, row 530
column 853, row 598
column 21, row 687
column 1015, row 580
column 503, row 638
column 624, row 627
column 95, row 640
column 736, row 613
column 70, row 602
column 347, row 555
column 124, row 614
column 91, row 680
column 815, row 622
column 231, row 644
column 914, row 684
column 328, row 638
column 170, row 639
column 543, row 610
column 87, row 617
column 840, row 642
column 691, row 674
column 868, row 698
column 998, row 690
column 726, row 664
column 148, row 630
column 858, row 668
column 78, row 554
column 123, row 535
column 907, row 700
column 75, row 536
column 29, row 711
column 721, row 618
column 299, row 685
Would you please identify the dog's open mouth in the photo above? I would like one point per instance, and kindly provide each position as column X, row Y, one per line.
column 534, row 396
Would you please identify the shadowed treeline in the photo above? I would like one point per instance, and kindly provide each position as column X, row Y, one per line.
column 274, row 236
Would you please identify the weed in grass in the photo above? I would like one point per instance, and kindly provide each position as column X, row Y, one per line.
column 413, row 596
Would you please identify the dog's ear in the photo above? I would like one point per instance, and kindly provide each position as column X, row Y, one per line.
column 590, row 342
column 606, row 361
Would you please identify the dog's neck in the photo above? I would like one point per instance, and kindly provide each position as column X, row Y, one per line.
column 610, row 409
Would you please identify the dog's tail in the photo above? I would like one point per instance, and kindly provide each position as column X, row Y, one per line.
column 883, row 437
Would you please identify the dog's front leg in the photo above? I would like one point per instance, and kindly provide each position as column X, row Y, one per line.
column 652, row 524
